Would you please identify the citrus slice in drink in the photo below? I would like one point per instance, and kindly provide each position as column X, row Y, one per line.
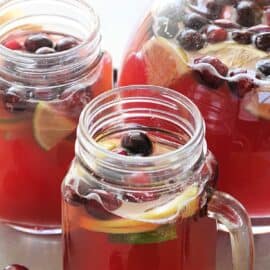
column 184, row 205
column 258, row 105
column 234, row 55
column 165, row 63
column 51, row 126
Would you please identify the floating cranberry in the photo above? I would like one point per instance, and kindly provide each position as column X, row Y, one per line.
column 264, row 67
column 15, row 267
column 138, row 197
column 36, row 41
column 195, row 21
column 76, row 97
column 248, row 13
column 71, row 197
column 242, row 37
column 206, row 74
column 137, row 143
column 262, row 41
column 167, row 28
column 242, row 86
column 65, row 44
column 45, row 50
column 191, row 40
column 214, row 10
column 13, row 45
column 15, row 99
column 216, row 34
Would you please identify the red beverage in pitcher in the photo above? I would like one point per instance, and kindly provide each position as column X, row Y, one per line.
column 216, row 53
column 46, row 80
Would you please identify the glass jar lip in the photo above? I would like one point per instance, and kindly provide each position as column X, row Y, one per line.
column 21, row 55
column 198, row 135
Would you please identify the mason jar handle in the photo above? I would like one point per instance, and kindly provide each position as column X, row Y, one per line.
column 232, row 215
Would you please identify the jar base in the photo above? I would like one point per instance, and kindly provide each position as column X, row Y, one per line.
column 37, row 230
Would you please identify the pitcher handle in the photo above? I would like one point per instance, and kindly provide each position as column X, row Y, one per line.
column 232, row 215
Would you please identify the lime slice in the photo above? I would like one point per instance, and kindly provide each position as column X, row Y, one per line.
column 259, row 105
column 161, row 234
column 50, row 126
column 234, row 55
column 165, row 63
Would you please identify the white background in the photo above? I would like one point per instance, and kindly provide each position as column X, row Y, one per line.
column 118, row 21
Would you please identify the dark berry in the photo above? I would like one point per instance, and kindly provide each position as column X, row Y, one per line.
column 71, row 197
column 226, row 24
column 242, row 37
column 45, row 50
column 167, row 28
column 264, row 67
column 195, row 21
column 137, row 143
column 191, row 40
column 216, row 34
column 214, row 10
column 206, row 74
column 65, row 44
column 140, row 197
column 15, row 99
column 262, row 41
column 76, row 97
column 13, row 45
column 248, row 13
column 15, row 267
column 36, row 41
column 242, row 86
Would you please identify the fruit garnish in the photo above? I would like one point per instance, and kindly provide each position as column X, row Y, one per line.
column 185, row 205
column 259, row 105
column 165, row 63
column 234, row 55
column 51, row 126
column 161, row 234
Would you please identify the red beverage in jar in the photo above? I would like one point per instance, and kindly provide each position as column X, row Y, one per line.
column 215, row 53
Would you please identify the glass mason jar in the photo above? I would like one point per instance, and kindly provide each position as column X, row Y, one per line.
column 52, row 65
column 217, row 54
column 140, row 192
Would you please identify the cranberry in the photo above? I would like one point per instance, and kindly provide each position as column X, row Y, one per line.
column 248, row 13
column 137, row 143
column 65, row 44
column 214, row 10
column 242, row 37
column 140, row 197
column 226, row 24
column 36, row 41
column 76, row 97
column 15, row 99
column 191, row 40
column 262, row 41
column 13, row 45
column 15, row 267
column 167, row 28
column 71, row 197
column 242, row 86
column 101, row 210
column 264, row 67
column 195, row 21
column 206, row 74
column 216, row 34
column 45, row 50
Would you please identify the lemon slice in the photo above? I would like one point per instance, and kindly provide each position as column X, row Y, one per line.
column 165, row 63
column 259, row 105
column 50, row 126
column 186, row 205
column 234, row 55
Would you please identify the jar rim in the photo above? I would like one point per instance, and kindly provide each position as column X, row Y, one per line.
column 197, row 138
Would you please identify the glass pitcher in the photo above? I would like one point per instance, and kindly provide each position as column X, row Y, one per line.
column 217, row 54
column 140, row 193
